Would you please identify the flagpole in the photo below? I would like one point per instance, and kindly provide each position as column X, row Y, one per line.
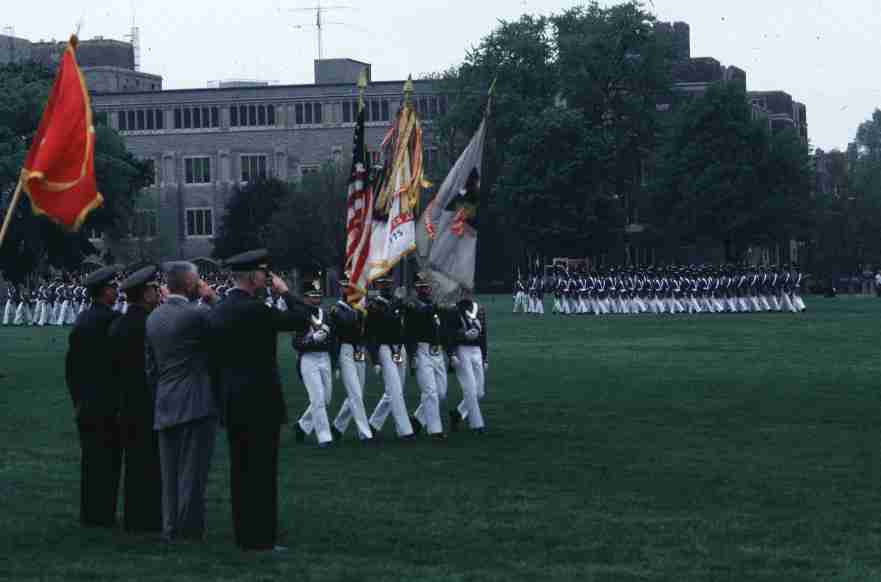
column 10, row 210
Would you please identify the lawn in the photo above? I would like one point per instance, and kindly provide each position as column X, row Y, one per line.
column 710, row 447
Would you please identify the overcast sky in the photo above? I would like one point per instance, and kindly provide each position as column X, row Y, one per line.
column 824, row 53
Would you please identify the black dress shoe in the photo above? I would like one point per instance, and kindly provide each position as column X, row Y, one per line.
column 417, row 426
column 455, row 420
column 409, row 437
column 439, row 436
column 337, row 435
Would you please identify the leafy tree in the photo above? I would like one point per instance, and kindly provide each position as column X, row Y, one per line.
column 249, row 213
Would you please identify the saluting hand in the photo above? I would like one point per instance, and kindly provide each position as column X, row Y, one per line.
column 278, row 284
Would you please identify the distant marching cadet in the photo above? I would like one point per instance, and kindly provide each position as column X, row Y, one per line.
column 797, row 301
column 23, row 312
column 38, row 310
column 536, row 296
column 385, row 328
column 349, row 327
column 314, row 345
column 785, row 289
column 558, row 293
column 66, row 299
column 520, row 300
column 425, row 333
column 468, row 357
column 48, row 305
column 11, row 304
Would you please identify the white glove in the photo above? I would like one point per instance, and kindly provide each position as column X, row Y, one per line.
column 485, row 365
column 454, row 361
column 319, row 336
column 378, row 369
column 337, row 374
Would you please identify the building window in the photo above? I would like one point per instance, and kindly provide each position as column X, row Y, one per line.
column 374, row 111
column 151, row 172
column 252, row 116
column 200, row 222
column 215, row 117
column 385, row 110
column 141, row 122
column 151, row 119
column 144, row 224
column 253, row 168
column 178, row 119
column 160, row 119
column 347, row 112
column 188, row 118
column 307, row 113
column 131, row 121
column 198, row 170
column 307, row 170
column 120, row 121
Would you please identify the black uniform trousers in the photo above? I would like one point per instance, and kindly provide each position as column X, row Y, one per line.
column 253, row 453
column 142, row 487
column 101, row 448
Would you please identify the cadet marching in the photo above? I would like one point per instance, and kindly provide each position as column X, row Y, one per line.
column 669, row 291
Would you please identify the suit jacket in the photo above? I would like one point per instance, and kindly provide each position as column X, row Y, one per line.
column 245, row 333
column 128, row 335
column 178, row 340
column 88, row 370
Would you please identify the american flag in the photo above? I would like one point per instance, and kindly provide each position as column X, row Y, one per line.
column 359, row 210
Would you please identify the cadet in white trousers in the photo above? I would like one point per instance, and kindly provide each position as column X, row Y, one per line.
column 314, row 345
column 468, row 356
column 348, row 325
column 385, row 328
column 425, row 343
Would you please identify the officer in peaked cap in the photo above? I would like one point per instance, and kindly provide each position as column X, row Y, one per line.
column 142, row 487
column 95, row 396
column 245, row 351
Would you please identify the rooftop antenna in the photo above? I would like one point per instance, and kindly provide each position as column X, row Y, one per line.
column 135, row 37
column 320, row 23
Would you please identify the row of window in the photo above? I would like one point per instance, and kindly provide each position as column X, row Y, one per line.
column 140, row 119
column 310, row 113
column 196, row 118
column 252, row 116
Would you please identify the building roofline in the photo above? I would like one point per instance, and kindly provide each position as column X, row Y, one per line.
column 258, row 88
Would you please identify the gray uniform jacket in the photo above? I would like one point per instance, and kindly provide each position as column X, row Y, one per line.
column 178, row 353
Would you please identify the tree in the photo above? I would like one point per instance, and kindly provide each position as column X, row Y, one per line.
column 34, row 242
column 308, row 232
column 249, row 214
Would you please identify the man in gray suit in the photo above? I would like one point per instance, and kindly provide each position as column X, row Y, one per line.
column 186, row 415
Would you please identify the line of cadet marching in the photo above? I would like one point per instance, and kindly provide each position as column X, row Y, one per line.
column 671, row 291
column 151, row 380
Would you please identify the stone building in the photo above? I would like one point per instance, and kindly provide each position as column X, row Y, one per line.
column 203, row 143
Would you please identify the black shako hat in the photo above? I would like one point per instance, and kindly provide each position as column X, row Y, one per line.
column 248, row 261
column 142, row 277
column 102, row 277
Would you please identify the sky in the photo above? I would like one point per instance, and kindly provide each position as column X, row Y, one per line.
column 821, row 52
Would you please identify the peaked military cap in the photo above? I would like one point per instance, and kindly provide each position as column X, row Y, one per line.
column 101, row 277
column 144, row 276
column 312, row 288
column 249, row 261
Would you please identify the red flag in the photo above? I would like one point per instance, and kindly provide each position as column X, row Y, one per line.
column 59, row 171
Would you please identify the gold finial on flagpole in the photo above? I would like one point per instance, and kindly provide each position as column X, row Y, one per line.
column 408, row 89
column 362, row 86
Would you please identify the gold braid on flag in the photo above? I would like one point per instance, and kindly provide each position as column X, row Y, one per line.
column 403, row 143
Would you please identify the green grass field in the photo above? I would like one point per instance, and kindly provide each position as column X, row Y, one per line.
column 738, row 447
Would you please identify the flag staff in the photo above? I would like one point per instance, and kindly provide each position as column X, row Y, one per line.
column 362, row 86
column 12, row 204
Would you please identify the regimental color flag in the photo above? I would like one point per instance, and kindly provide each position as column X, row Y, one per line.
column 393, row 234
column 59, row 170
column 359, row 209
column 447, row 230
